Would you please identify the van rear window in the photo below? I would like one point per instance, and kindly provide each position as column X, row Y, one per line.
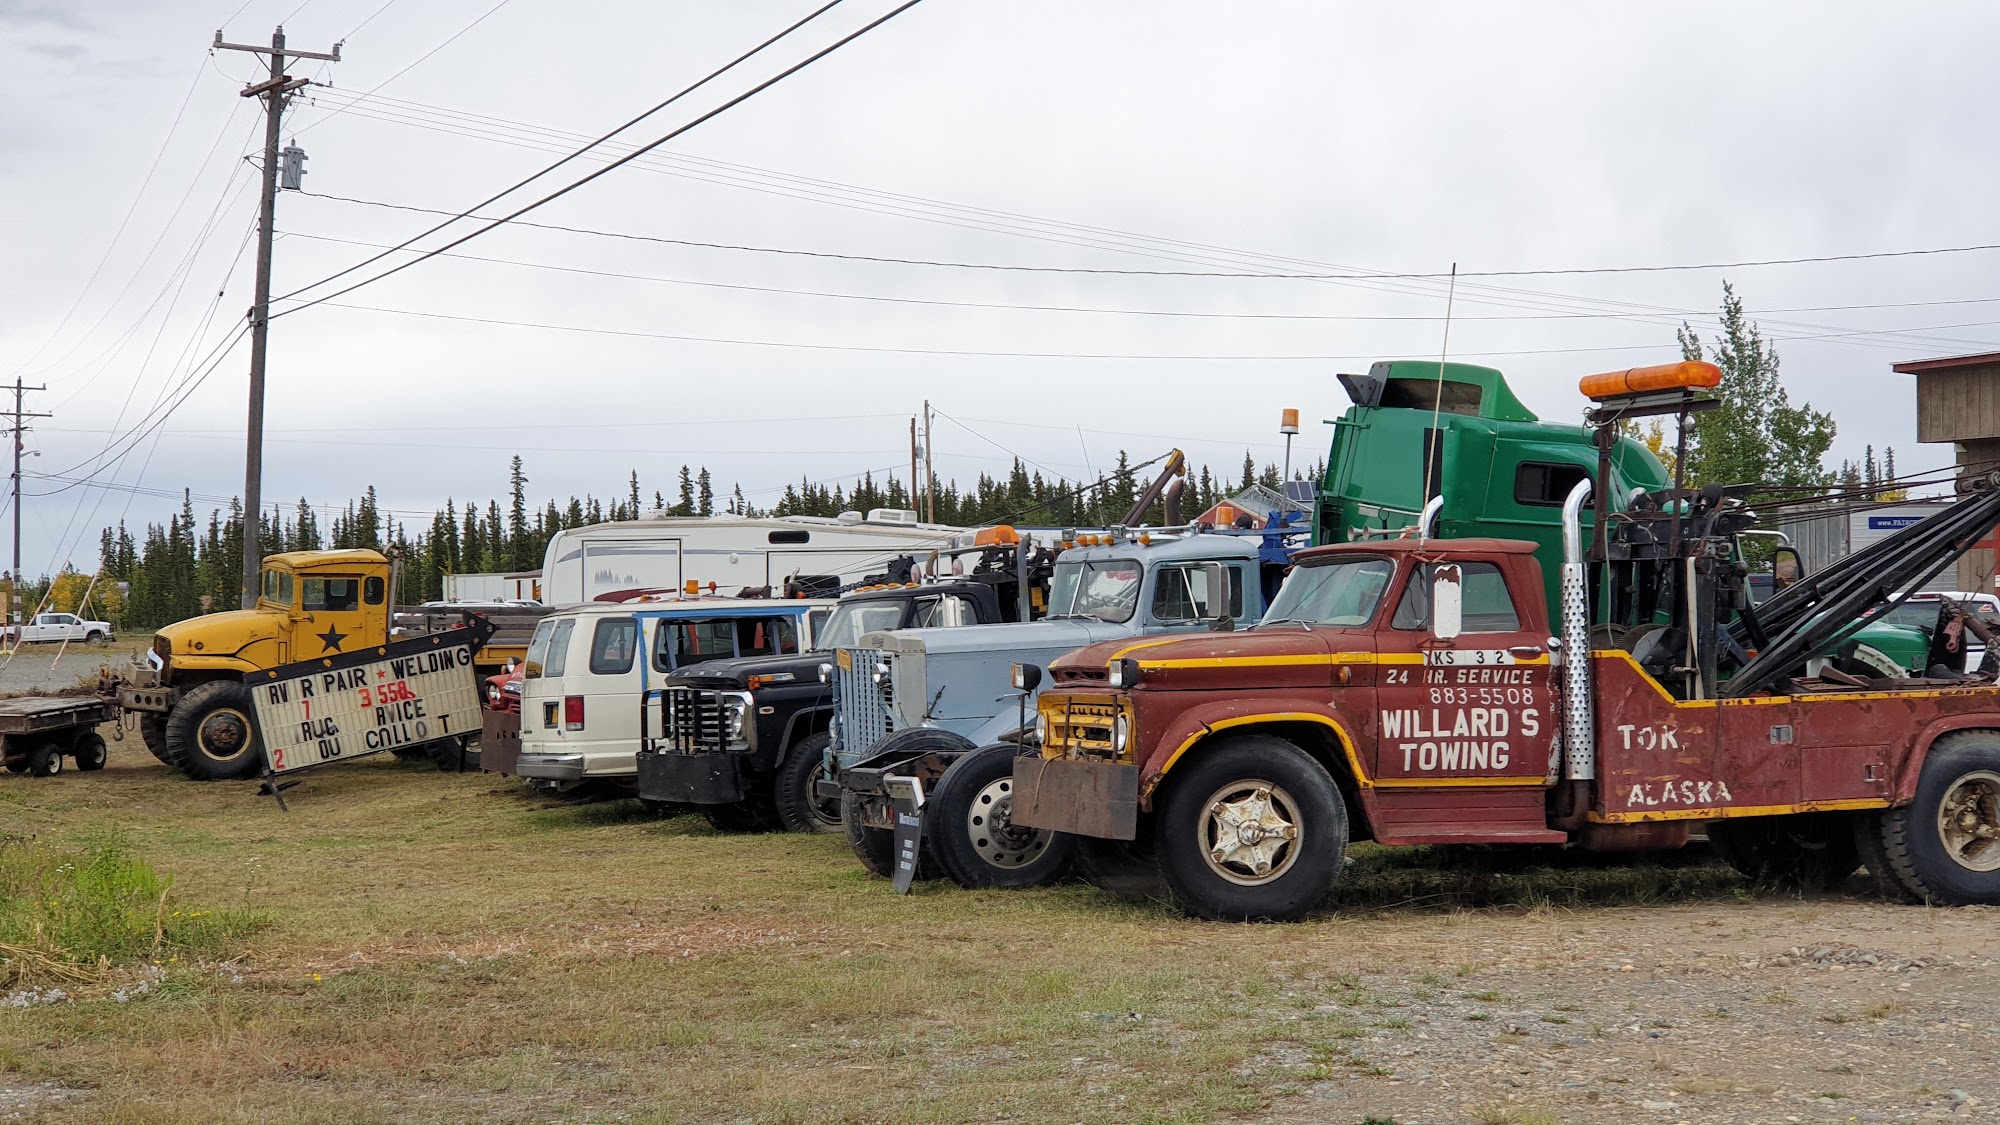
column 557, row 661
column 613, row 645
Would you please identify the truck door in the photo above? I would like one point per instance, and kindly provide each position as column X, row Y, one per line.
column 1476, row 710
column 338, row 618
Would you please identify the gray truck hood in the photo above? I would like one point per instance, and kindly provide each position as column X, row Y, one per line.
column 1036, row 641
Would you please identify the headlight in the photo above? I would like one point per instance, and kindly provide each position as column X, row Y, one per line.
column 1121, row 733
column 739, row 711
column 880, row 674
column 493, row 693
column 1041, row 728
column 511, row 687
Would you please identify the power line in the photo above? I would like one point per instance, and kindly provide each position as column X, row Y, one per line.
column 503, row 193
column 724, row 107
column 420, row 58
column 1033, row 355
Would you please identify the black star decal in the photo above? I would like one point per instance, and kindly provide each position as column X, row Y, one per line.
column 332, row 637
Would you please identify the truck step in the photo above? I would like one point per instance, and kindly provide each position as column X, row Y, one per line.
column 1485, row 836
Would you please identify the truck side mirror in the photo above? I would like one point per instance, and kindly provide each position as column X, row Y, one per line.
column 1447, row 602
column 1786, row 567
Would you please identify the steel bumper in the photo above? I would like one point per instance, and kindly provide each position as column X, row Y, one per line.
column 1086, row 798
column 550, row 767
column 691, row 779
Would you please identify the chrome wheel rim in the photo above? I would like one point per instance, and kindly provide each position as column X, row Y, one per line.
column 824, row 811
column 995, row 837
column 1969, row 821
column 224, row 734
column 1251, row 832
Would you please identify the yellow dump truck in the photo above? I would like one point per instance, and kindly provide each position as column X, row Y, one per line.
column 195, row 714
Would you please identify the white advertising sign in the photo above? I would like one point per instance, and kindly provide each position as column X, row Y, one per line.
column 319, row 712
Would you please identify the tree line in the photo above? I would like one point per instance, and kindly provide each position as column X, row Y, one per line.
column 193, row 563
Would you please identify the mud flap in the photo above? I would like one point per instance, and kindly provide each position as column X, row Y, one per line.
column 1086, row 798
column 907, row 794
column 499, row 741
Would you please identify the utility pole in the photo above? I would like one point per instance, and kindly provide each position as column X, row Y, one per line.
column 930, row 495
column 914, row 505
column 276, row 91
column 20, row 440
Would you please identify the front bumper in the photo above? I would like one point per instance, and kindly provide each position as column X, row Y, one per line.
column 692, row 779
column 550, row 767
column 1083, row 797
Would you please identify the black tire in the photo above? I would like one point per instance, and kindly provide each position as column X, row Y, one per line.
column 1945, row 844
column 744, row 816
column 1810, row 851
column 97, row 637
column 421, row 752
column 89, row 751
column 45, row 759
column 448, row 753
column 1300, row 816
column 153, row 732
column 1875, row 857
column 874, row 847
column 1125, row 869
column 792, row 791
column 966, row 825
column 210, row 736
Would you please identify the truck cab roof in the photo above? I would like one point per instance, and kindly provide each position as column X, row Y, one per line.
column 1397, row 546
column 345, row 559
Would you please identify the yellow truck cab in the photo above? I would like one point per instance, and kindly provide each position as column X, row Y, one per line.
column 310, row 604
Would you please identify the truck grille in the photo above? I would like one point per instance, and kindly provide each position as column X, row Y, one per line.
column 691, row 719
column 1079, row 727
column 867, row 709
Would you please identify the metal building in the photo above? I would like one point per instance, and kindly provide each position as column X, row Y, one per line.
column 1958, row 400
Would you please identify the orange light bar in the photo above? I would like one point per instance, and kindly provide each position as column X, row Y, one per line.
column 1000, row 535
column 693, row 587
column 1644, row 380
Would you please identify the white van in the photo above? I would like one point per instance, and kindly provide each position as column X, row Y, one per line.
column 589, row 667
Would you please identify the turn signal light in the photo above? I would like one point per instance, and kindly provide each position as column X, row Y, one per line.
column 1685, row 375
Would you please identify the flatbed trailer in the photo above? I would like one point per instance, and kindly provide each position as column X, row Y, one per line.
column 38, row 731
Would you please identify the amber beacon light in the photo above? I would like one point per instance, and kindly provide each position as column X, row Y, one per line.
column 1686, row 375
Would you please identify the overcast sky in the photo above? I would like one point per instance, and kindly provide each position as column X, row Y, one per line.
column 1275, row 137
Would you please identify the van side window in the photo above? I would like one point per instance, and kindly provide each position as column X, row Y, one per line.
column 557, row 661
column 612, row 646
column 763, row 636
column 691, row 642
column 1488, row 607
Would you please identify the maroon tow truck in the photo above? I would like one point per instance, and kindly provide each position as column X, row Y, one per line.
column 1414, row 691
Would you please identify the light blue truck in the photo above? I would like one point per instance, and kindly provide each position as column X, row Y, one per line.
column 939, row 713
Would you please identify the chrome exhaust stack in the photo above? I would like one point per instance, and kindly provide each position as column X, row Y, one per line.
column 1578, row 705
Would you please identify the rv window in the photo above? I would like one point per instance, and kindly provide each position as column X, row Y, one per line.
column 1546, row 482
column 611, row 647
column 331, row 594
column 1488, row 608
column 790, row 537
column 557, row 661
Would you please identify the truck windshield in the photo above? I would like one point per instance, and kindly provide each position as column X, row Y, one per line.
column 278, row 587
column 851, row 619
column 1341, row 594
column 1107, row 589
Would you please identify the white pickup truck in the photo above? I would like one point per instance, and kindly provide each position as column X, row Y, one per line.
column 59, row 627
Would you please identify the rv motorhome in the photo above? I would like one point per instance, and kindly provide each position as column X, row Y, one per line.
column 732, row 552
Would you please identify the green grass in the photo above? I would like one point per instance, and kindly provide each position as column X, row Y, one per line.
column 67, row 910
column 417, row 946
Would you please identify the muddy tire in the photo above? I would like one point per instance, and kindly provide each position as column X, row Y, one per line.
column 1125, row 869
column 45, row 759
column 1810, row 851
column 1252, row 830
column 153, row 732
column 799, row 807
column 89, row 751
column 874, row 847
column 448, row 753
column 744, row 816
column 967, row 826
column 1945, row 845
column 210, row 736
column 97, row 638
